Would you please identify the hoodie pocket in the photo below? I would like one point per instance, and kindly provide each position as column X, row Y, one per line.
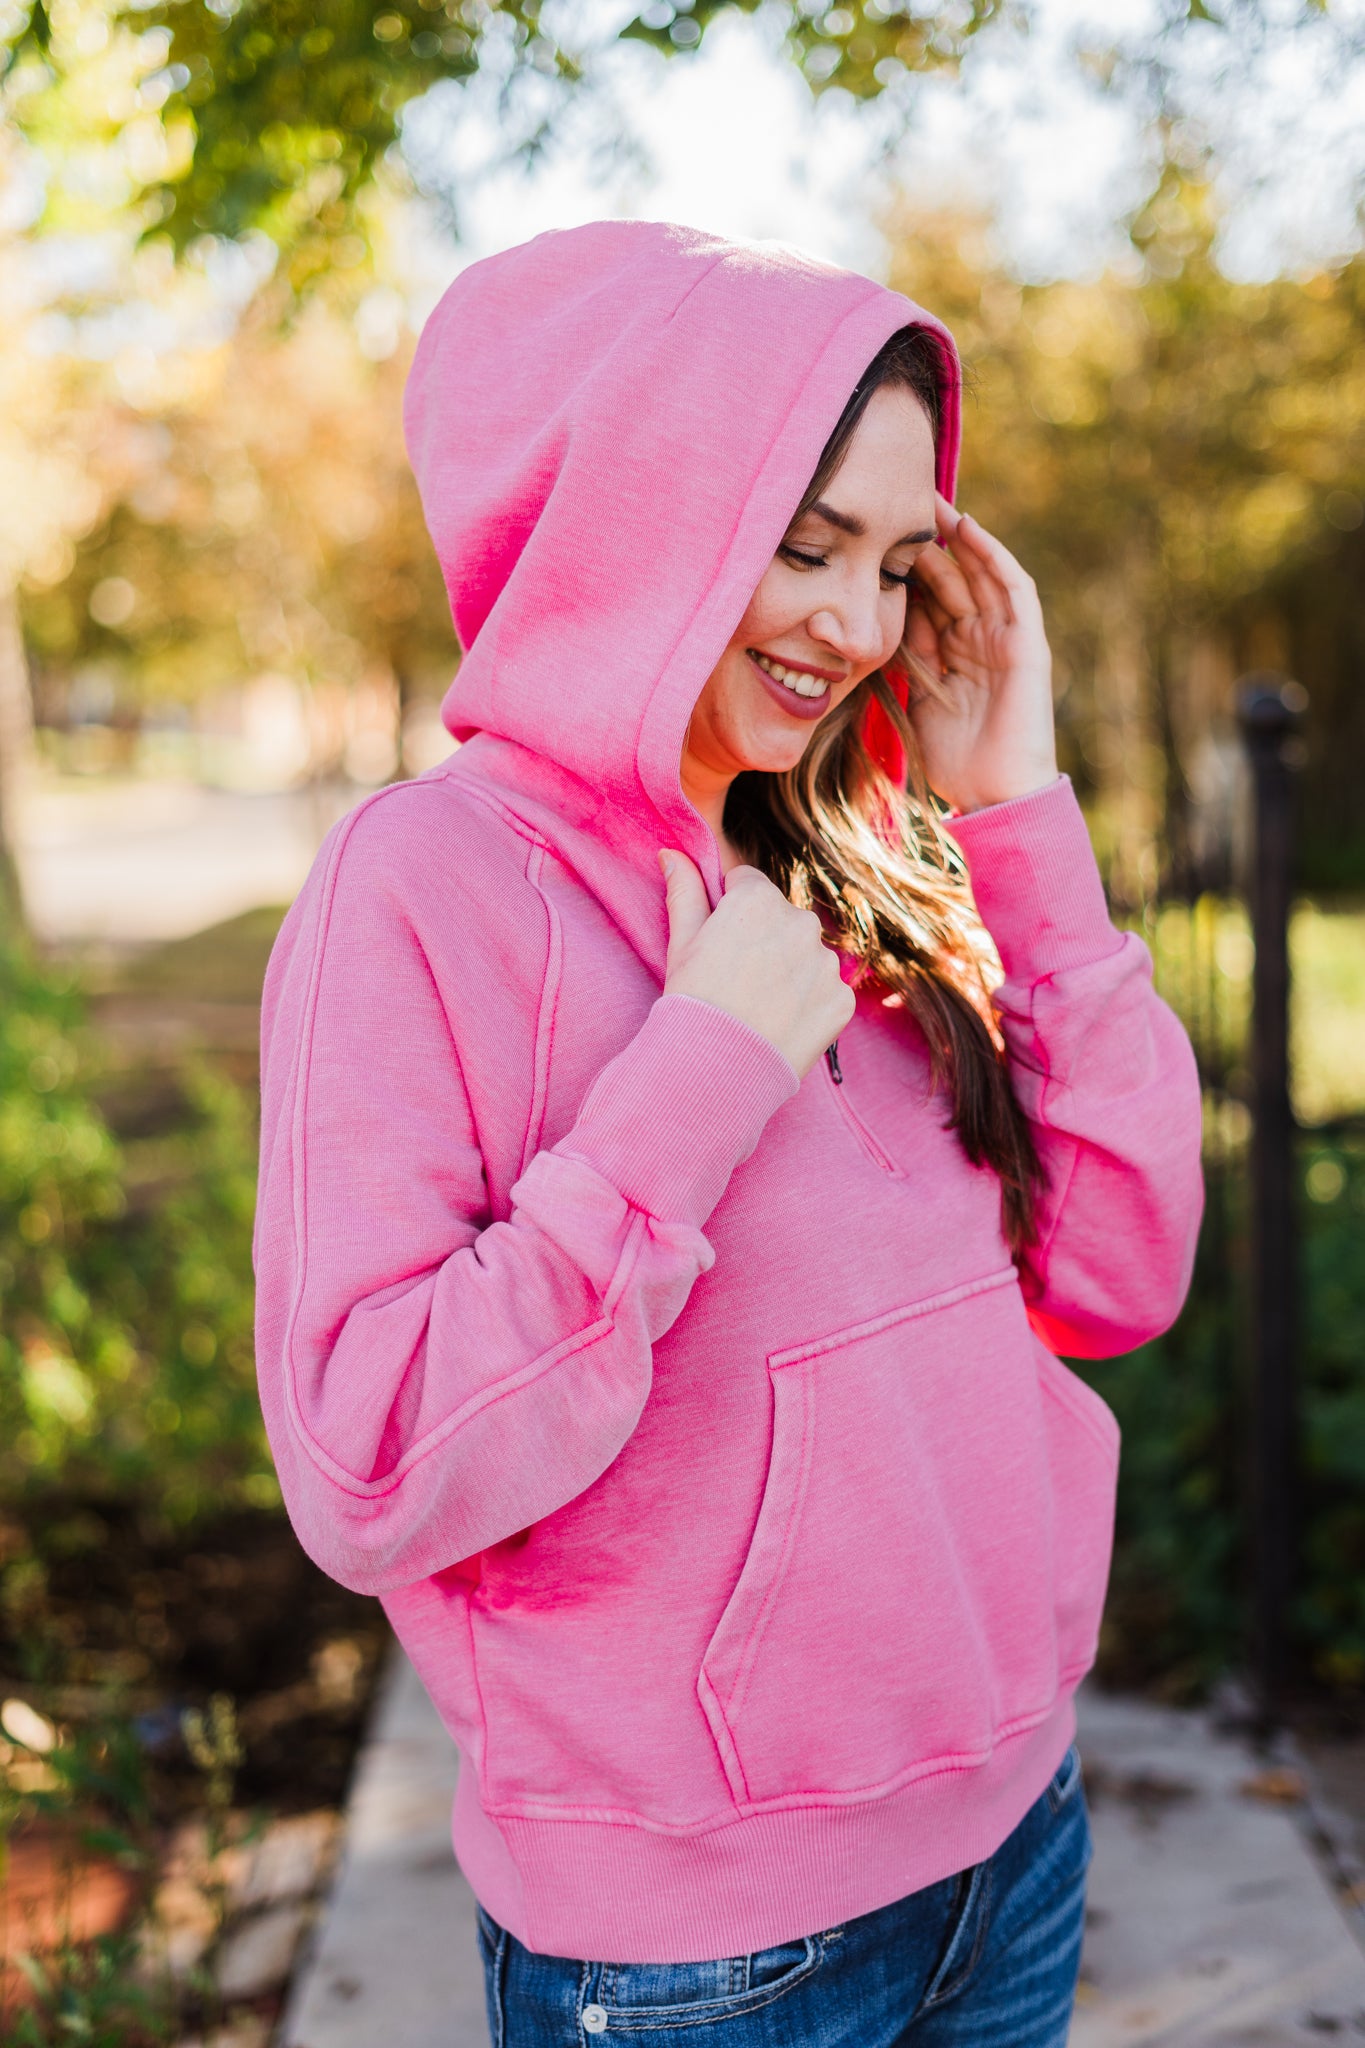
column 928, row 1564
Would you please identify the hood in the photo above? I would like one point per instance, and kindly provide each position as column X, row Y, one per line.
column 611, row 427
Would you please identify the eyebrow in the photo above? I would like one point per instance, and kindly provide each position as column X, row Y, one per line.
column 848, row 522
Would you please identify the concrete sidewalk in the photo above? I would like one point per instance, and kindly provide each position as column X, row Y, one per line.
column 1212, row 1917
column 1212, row 1922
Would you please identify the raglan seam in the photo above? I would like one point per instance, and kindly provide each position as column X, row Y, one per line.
column 330, row 1468
column 301, row 1080
column 547, row 1011
column 489, row 802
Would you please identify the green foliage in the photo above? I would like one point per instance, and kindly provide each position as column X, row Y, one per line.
column 1332, row 1608
column 125, row 1374
column 214, row 1744
column 195, row 1441
column 295, row 104
column 1177, row 1613
column 863, row 47
column 1174, row 1617
column 278, row 115
column 27, row 31
column 126, row 1363
column 283, row 112
column 87, row 1787
column 91, row 1994
column 61, row 1342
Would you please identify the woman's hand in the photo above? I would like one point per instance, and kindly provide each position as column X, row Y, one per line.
column 986, row 729
column 757, row 956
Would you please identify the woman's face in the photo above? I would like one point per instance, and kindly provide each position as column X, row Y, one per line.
column 831, row 605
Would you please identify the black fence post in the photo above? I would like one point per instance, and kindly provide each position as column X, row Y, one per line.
column 1269, row 708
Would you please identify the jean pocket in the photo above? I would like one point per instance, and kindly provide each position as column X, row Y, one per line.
column 640, row 1996
column 1066, row 1780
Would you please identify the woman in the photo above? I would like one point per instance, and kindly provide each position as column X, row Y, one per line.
column 660, row 1290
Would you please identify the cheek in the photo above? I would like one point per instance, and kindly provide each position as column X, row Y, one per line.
column 895, row 614
column 774, row 608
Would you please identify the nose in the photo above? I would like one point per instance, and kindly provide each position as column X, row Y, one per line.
column 854, row 625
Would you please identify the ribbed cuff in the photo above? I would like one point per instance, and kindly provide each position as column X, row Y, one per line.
column 1036, row 884
column 671, row 1117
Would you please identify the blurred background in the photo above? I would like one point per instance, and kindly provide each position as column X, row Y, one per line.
column 222, row 223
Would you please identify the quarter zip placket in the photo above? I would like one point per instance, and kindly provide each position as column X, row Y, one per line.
column 834, row 1081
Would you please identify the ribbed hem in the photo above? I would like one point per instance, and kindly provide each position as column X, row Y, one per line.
column 1036, row 884
column 627, row 1894
column 672, row 1116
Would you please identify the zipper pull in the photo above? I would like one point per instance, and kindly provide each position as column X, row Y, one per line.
column 835, row 1071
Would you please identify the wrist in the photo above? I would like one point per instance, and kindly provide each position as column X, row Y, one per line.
column 1028, row 782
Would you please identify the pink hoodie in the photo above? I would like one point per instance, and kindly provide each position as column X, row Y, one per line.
column 707, row 1448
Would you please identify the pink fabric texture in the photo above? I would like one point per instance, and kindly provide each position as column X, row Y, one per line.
column 708, row 1449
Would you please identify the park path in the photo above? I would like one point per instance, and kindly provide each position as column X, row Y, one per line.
column 1213, row 1919
column 127, row 862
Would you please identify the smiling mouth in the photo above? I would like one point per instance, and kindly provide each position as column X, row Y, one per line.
column 799, row 681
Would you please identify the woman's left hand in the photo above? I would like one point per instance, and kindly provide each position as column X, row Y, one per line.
column 986, row 731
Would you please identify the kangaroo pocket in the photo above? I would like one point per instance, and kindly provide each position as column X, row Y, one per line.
column 930, row 1555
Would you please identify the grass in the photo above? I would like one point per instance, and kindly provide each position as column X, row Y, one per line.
column 1327, row 961
column 223, row 964
column 1204, row 961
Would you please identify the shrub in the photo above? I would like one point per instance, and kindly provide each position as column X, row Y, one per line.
column 125, row 1329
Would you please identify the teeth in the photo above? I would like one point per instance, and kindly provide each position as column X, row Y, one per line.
column 790, row 678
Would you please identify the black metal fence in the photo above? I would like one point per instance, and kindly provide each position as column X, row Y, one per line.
column 1221, row 940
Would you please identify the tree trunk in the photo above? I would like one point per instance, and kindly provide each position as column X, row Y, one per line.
column 16, row 749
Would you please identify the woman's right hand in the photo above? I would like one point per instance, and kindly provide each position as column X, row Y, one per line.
column 757, row 956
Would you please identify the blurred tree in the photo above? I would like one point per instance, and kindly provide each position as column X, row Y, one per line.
column 258, row 517
column 278, row 115
column 51, row 397
column 1180, row 459
column 203, row 502
column 46, row 498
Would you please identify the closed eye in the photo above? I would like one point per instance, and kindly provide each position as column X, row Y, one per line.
column 800, row 559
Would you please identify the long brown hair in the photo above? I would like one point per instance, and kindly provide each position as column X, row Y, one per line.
column 837, row 834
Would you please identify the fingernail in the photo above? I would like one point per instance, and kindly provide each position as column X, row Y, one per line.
column 666, row 862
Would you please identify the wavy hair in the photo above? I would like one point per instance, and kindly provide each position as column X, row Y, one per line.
column 839, row 835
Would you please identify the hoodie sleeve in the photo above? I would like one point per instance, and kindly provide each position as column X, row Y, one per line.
column 434, row 1380
column 1103, row 1071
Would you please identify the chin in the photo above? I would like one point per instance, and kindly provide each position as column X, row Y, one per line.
column 774, row 753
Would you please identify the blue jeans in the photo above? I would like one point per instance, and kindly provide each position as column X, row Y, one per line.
column 987, row 1959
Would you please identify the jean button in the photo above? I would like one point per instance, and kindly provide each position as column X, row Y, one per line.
column 594, row 2019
